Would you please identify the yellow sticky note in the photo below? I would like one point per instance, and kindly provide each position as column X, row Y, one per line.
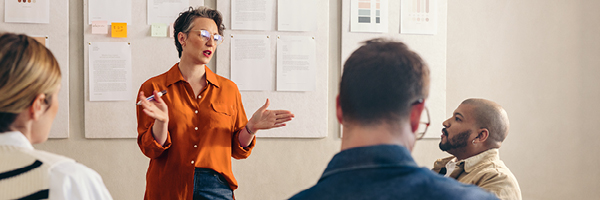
column 118, row 30
column 159, row 30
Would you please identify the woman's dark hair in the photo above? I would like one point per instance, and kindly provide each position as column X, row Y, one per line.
column 184, row 22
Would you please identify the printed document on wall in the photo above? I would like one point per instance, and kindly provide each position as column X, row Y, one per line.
column 110, row 11
column 369, row 16
column 251, row 67
column 252, row 14
column 17, row 11
column 166, row 11
column 419, row 17
column 296, row 63
column 110, row 71
column 294, row 15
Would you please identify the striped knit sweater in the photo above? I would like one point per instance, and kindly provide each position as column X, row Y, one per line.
column 24, row 173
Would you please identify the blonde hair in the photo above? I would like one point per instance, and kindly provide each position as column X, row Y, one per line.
column 27, row 69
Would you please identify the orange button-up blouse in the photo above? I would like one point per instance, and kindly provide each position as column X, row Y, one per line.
column 203, row 133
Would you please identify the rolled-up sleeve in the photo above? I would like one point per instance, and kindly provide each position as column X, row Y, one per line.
column 240, row 122
column 146, row 141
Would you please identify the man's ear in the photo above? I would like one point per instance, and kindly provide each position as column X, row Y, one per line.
column 415, row 115
column 38, row 107
column 338, row 110
column 483, row 135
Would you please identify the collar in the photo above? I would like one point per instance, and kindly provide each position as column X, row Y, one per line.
column 370, row 157
column 483, row 157
column 174, row 76
column 15, row 138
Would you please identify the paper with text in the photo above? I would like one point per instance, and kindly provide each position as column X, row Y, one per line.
column 109, row 10
column 252, row 14
column 294, row 15
column 296, row 63
column 166, row 11
column 418, row 17
column 27, row 11
column 110, row 71
column 369, row 16
column 251, row 67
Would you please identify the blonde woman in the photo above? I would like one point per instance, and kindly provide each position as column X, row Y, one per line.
column 29, row 84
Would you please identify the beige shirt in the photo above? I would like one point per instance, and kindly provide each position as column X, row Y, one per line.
column 485, row 170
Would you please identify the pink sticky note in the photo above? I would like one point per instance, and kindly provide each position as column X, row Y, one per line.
column 171, row 30
column 99, row 27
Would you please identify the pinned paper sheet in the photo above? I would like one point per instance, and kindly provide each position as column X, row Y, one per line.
column 99, row 27
column 119, row 30
column 171, row 30
column 159, row 30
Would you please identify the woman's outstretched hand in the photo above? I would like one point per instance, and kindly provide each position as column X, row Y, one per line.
column 264, row 119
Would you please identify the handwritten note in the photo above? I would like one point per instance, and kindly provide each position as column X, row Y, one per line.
column 119, row 30
column 159, row 30
column 99, row 27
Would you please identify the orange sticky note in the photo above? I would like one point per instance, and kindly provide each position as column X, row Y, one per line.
column 118, row 30
column 41, row 40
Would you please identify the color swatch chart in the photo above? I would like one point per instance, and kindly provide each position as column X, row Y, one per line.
column 369, row 11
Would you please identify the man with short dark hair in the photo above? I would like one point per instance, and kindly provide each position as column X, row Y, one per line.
column 382, row 95
column 473, row 135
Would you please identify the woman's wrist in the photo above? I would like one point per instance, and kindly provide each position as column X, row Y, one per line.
column 250, row 129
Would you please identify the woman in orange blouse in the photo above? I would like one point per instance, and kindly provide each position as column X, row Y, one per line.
column 191, row 132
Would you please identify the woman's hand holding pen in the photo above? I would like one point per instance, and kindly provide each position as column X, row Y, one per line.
column 268, row 119
column 158, row 110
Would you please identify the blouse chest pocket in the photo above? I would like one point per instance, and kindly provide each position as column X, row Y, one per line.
column 221, row 115
column 223, row 109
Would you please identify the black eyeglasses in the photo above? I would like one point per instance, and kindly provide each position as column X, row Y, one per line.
column 421, row 130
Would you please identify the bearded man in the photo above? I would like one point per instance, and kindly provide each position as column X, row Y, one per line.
column 473, row 135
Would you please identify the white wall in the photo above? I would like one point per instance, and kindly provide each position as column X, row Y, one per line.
column 537, row 58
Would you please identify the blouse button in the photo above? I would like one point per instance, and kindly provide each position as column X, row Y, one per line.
column 199, row 96
column 195, row 146
column 195, row 128
column 196, row 111
column 192, row 162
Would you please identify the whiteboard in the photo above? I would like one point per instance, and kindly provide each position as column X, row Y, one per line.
column 151, row 56
column 309, row 108
column 432, row 49
column 57, row 32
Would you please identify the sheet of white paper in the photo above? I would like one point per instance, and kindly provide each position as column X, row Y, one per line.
column 110, row 11
column 252, row 14
column 296, row 63
column 110, row 71
column 369, row 16
column 418, row 17
column 24, row 11
column 166, row 11
column 251, row 67
column 294, row 15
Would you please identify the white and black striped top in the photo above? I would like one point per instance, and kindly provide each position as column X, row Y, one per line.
column 26, row 173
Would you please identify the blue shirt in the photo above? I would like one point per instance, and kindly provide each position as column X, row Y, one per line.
column 385, row 172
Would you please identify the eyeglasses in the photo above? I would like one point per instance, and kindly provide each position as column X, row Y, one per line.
column 423, row 125
column 206, row 36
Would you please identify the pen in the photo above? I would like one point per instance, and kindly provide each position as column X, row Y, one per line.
column 151, row 97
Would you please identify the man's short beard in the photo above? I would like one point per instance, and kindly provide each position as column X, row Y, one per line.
column 458, row 141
